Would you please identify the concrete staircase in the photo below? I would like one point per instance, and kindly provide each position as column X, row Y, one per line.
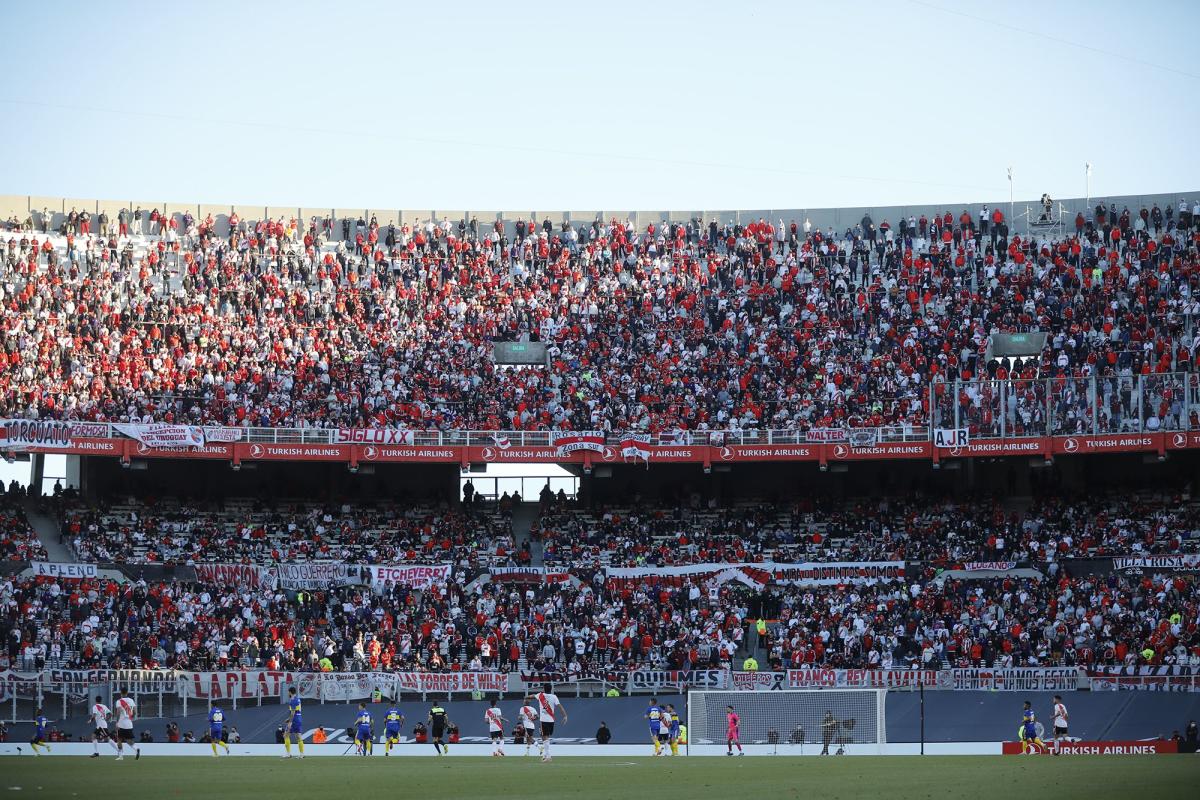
column 47, row 529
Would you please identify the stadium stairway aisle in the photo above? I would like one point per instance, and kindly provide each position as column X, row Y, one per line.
column 523, row 518
column 49, row 532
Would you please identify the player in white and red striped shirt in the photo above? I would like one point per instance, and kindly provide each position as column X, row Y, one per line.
column 495, row 722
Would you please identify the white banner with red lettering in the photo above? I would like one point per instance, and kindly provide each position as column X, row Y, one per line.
column 241, row 684
column 393, row 436
column 568, row 442
column 163, row 434
column 1182, row 562
column 418, row 576
column 252, row 575
column 360, row 685
column 818, row 678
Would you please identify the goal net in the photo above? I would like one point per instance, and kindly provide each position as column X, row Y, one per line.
column 799, row 717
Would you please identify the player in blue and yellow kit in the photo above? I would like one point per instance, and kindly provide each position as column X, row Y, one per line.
column 294, row 726
column 216, row 726
column 39, row 733
column 363, row 733
column 672, row 720
column 658, row 733
column 392, row 720
column 1029, row 734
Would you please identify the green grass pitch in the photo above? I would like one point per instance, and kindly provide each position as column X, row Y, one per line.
column 610, row 778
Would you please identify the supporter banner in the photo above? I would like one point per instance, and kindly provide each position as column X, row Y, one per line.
column 317, row 575
column 951, row 437
column 227, row 435
column 827, row 435
column 144, row 681
column 653, row 679
column 451, row 681
column 569, row 442
column 817, row 678
column 528, row 575
column 803, row 574
column 1019, row 679
column 418, row 576
column 392, row 436
column 57, row 569
column 1150, row 748
column 1184, row 562
column 251, row 575
column 758, row 681
column 863, row 437
column 163, row 434
column 636, row 447
column 1145, row 679
column 343, row 686
column 832, row 573
column 1001, row 566
column 240, row 684
column 21, row 434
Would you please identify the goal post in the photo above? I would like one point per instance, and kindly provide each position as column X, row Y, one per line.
column 789, row 721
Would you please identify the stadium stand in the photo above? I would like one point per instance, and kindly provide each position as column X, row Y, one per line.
column 678, row 326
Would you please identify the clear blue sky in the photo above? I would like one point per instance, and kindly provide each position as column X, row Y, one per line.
column 585, row 106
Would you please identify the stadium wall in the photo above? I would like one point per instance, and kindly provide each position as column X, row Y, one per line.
column 951, row 717
column 838, row 218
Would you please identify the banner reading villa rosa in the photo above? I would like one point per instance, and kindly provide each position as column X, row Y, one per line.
column 316, row 575
column 252, row 575
column 58, row 569
column 163, row 434
column 418, row 576
column 1183, row 562
column 568, row 442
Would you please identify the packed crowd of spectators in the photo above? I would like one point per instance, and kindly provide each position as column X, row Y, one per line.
column 18, row 540
column 1086, row 621
column 941, row 532
column 170, row 531
column 594, row 629
column 692, row 325
column 578, row 629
